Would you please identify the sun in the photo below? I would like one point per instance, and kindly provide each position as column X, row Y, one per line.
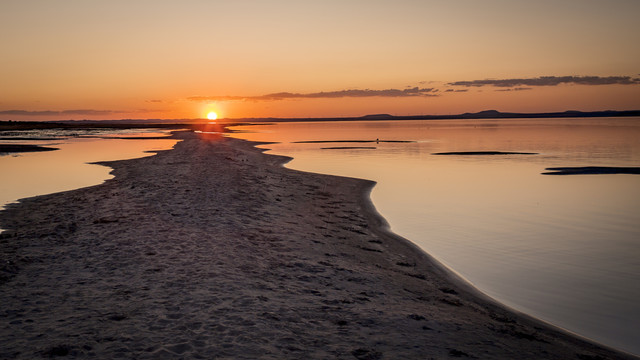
column 212, row 115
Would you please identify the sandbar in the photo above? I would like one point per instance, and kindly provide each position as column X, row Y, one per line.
column 484, row 153
column 349, row 148
column 18, row 148
column 215, row 250
column 592, row 170
column 351, row 141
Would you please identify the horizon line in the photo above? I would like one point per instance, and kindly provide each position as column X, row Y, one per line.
column 484, row 114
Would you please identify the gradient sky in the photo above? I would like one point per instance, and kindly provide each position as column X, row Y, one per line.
column 90, row 59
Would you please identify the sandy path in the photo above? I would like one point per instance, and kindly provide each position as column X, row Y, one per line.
column 213, row 250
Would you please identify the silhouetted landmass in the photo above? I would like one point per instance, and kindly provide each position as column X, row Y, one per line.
column 349, row 148
column 34, row 138
column 487, row 114
column 140, row 137
column 17, row 148
column 592, row 170
column 88, row 124
column 352, row 141
column 484, row 153
column 182, row 123
column 376, row 117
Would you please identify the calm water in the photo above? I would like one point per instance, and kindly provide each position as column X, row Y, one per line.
column 565, row 249
column 30, row 174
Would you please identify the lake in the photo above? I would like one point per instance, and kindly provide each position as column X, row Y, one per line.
column 38, row 173
column 563, row 248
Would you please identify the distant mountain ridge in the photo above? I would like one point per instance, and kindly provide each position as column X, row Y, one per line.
column 486, row 114
column 495, row 114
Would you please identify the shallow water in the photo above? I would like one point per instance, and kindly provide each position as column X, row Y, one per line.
column 29, row 174
column 565, row 249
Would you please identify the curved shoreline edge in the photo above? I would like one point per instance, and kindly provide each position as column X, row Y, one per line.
column 429, row 263
column 462, row 285
column 215, row 249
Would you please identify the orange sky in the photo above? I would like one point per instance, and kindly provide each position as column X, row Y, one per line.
column 78, row 59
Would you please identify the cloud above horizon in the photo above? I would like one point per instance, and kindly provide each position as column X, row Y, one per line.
column 351, row 93
column 550, row 81
column 514, row 84
column 515, row 89
column 59, row 112
column 71, row 112
column 436, row 89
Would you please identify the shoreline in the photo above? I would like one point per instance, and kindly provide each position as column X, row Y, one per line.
column 466, row 288
column 214, row 249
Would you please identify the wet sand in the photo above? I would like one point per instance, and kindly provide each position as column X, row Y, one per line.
column 214, row 250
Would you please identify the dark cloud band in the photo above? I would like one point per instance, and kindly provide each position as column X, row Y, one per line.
column 551, row 81
column 410, row 92
column 516, row 84
column 516, row 89
column 62, row 112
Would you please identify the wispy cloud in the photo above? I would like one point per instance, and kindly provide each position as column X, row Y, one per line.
column 551, row 81
column 515, row 89
column 88, row 112
column 352, row 93
column 515, row 84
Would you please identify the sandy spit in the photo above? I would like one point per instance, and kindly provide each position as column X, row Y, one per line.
column 213, row 250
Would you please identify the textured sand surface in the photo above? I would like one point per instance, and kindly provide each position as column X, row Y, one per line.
column 214, row 250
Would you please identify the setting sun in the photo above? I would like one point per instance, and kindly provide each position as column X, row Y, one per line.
column 212, row 115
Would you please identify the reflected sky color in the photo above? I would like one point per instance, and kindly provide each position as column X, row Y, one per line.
column 562, row 248
column 30, row 174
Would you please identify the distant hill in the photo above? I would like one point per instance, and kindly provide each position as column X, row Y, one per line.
column 495, row 114
column 178, row 123
column 486, row 114
column 377, row 117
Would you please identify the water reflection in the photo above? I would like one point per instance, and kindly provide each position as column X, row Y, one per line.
column 562, row 248
column 30, row 174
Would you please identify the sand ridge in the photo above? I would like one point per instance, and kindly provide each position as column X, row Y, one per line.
column 213, row 250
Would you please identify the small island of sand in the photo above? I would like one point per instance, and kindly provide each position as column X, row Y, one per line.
column 592, row 170
column 18, row 148
column 480, row 153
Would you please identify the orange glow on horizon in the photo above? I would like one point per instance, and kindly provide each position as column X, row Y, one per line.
column 302, row 68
